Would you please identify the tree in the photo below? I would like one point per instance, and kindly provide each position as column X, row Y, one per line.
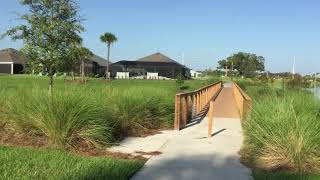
column 83, row 54
column 76, row 61
column 244, row 63
column 52, row 28
column 109, row 39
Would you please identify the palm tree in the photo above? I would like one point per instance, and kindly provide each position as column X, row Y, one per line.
column 109, row 39
column 83, row 54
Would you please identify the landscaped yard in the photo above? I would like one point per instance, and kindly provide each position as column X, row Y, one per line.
column 83, row 118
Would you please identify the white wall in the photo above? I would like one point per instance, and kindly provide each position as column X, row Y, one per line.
column 152, row 75
column 122, row 75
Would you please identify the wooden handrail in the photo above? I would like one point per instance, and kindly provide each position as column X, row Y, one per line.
column 244, row 102
column 190, row 104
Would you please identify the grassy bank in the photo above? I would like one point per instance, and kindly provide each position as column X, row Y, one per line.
column 82, row 118
column 27, row 163
column 282, row 134
column 90, row 115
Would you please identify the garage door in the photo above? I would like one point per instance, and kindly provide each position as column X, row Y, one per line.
column 5, row 68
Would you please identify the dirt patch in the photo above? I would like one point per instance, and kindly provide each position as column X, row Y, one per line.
column 152, row 153
column 12, row 139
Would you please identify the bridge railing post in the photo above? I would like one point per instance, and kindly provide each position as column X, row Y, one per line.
column 177, row 112
column 210, row 119
column 195, row 104
column 184, row 111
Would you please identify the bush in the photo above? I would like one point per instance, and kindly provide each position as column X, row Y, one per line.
column 298, row 82
column 138, row 110
column 67, row 118
column 283, row 133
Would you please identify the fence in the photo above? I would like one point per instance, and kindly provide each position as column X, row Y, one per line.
column 190, row 104
column 243, row 101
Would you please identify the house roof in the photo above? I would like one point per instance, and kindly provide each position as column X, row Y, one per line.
column 11, row 55
column 101, row 61
column 157, row 57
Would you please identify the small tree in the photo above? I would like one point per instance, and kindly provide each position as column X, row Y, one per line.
column 180, row 81
column 52, row 28
column 83, row 54
column 109, row 39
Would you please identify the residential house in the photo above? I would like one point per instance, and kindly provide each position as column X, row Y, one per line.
column 157, row 66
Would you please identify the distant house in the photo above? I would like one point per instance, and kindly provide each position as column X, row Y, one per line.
column 11, row 61
column 95, row 65
column 195, row 74
column 157, row 66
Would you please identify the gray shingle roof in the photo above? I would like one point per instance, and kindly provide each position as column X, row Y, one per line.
column 101, row 61
column 157, row 57
column 11, row 55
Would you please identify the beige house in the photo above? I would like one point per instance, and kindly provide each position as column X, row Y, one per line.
column 11, row 61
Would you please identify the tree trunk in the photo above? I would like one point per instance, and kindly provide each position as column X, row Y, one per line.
column 50, row 80
column 72, row 76
column 82, row 72
column 107, row 72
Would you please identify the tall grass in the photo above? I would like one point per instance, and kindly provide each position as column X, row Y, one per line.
column 283, row 131
column 94, row 114
column 66, row 118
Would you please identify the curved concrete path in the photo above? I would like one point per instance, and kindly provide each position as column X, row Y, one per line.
column 189, row 154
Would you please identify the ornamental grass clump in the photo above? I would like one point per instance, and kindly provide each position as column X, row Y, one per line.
column 137, row 110
column 67, row 118
column 283, row 133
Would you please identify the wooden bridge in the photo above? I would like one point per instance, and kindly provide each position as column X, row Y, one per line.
column 207, row 139
column 215, row 100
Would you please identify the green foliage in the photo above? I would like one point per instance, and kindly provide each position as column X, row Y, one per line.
column 298, row 82
column 137, row 110
column 66, row 118
column 51, row 28
column 282, row 131
column 108, row 38
column 180, row 81
column 93, row 114
column 245, row 63
column 267, row 175
column 27, row 163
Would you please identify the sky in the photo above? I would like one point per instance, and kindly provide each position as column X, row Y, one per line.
column 201, row 31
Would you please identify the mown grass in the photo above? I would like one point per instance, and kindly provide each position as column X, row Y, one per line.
column 282, row 134
column 27, row 163
column 261, row 175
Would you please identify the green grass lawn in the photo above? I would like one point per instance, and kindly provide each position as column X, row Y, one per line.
column 28, row 163
column 259, row 175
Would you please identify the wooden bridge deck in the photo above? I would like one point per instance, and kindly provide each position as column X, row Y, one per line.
column 225, row 104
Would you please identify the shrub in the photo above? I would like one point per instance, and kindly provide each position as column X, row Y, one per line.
column 180, row 81
column 137, row 110
column 283, row 133
column 67, row 118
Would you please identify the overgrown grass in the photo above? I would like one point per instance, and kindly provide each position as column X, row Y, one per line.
column 282, row 134
column 27, row 163
column 94, row 114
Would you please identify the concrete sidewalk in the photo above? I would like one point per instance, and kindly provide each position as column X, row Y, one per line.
column 190, row 155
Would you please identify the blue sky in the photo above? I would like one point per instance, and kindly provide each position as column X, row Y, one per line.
column 205, row 31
